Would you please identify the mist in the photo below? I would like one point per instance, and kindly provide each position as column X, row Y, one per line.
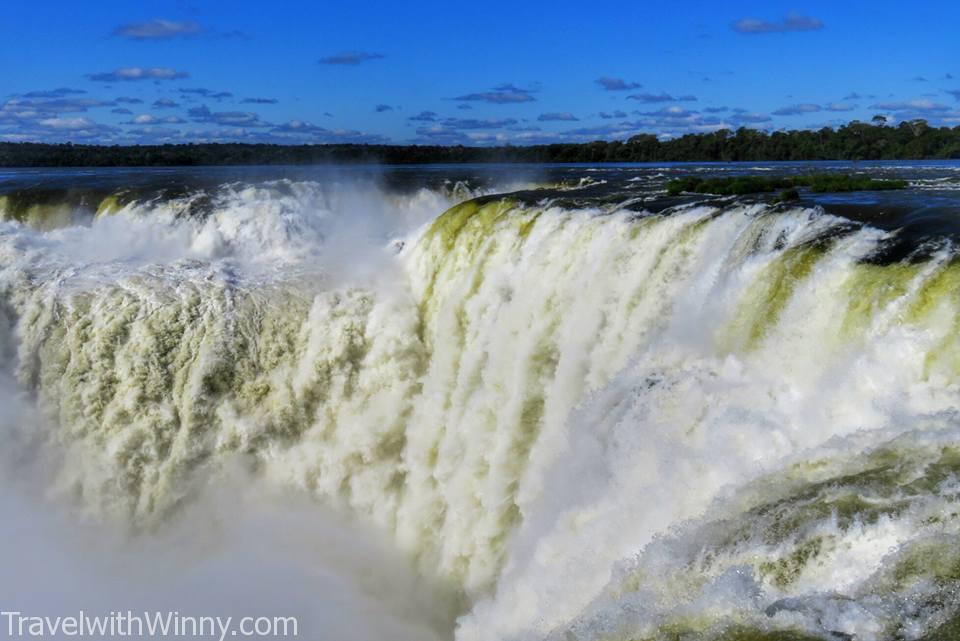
column 236, row 550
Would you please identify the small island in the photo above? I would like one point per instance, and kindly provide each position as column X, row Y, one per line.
column 787, row 185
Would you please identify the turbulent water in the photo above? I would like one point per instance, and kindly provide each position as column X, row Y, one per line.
column 575, row 415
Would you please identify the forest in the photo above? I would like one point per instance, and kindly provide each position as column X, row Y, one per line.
column 913, row 139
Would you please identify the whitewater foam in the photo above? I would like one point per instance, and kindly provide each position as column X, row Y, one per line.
column 587, row 420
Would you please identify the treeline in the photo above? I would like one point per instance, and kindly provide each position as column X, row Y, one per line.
column 914, row 139
column 817, row 183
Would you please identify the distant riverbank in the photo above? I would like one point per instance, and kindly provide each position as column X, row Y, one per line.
column 910, row 140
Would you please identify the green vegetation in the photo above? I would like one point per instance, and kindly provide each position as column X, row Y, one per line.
column 817, row 183
column 788, row 195
column 914, row 139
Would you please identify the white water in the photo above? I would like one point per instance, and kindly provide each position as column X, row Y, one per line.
column 563, row 416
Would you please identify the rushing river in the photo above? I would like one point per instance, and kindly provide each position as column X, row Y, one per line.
column 483, row 403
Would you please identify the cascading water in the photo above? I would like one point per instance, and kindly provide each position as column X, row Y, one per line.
column 721, row 419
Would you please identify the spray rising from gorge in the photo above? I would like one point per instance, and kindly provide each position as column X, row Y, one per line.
column 571, row 415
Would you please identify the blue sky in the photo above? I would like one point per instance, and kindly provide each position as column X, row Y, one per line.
column 465, row 73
